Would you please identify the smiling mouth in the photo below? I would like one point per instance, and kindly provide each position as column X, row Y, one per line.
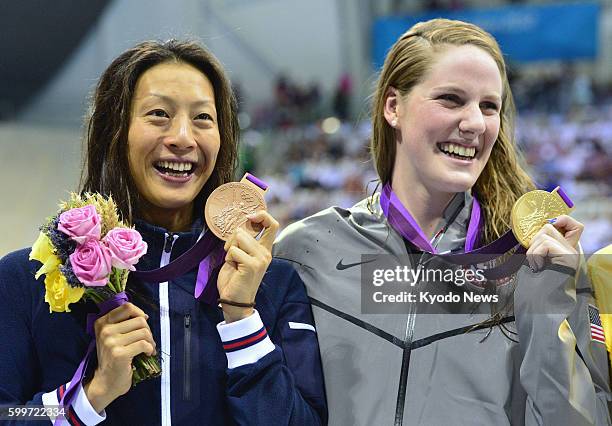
column 175, row 168
column 457, row 151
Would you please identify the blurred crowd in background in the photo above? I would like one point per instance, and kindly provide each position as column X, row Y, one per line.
column 304, row 96
column 313, row 157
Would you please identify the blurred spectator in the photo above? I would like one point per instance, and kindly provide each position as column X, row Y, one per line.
column 597, row 165
column 342, row 98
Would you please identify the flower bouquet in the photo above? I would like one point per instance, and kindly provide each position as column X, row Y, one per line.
column 87, row 252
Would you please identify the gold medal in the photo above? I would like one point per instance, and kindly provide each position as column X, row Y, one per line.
column 533, row 210
column 229, row 204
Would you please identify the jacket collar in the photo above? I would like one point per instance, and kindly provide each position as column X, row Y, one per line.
column 372, row 222
column 156, row 236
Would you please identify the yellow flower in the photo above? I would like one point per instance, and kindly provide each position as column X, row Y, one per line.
column 59, row 294
column 42, row 250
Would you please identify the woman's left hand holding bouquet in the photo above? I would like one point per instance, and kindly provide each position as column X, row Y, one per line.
column 121, row 334
column 92, row 252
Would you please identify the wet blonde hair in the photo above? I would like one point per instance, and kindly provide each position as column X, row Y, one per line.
column 503, row 179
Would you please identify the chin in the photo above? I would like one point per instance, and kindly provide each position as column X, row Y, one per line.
column 456, row 185
column 174, row 203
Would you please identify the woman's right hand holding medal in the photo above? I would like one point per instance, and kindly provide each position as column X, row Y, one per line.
column 557, row 241
column 246, row 262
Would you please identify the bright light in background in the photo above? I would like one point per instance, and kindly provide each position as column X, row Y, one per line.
column 244, row 120
column 330, row 125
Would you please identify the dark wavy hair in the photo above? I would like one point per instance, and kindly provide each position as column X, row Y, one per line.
column 106, row 169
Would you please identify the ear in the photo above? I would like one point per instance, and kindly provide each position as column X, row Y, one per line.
column 392, row 103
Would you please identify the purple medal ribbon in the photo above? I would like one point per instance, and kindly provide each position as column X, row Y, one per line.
column 104, row 307
column 209, row 294
column 208, row 252
column 471, row 239
column 256, row 181
column 402, row 221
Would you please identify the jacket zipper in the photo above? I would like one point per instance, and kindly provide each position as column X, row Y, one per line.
column 401, row 392
column 168, row 244
column 164, row 312
column 410, row 321
column 187, row 359
column 409, row 336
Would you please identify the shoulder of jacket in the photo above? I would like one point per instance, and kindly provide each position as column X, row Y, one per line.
column 17, row 261
column 366, row 208
column 17, row 282
column 282, row 282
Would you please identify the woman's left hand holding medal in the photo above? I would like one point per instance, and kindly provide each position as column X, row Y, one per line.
column 557, row 241
column 246, row 262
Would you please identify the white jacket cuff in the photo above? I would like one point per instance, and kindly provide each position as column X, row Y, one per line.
column 80, row 407
column 245, row 341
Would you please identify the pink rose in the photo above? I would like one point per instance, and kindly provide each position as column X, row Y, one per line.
column 126, row 247
column 91, row 263
column 81, row 224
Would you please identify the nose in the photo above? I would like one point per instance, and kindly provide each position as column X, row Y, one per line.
column 180, row 134
column 472, row 121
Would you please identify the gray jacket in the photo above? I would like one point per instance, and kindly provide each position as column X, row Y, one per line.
column 428, row 369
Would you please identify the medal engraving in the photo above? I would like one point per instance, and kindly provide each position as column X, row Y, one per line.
column 227, row 207
column 532, row 211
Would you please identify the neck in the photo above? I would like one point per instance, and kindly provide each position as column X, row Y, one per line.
column 177, row 220
column 426, row 208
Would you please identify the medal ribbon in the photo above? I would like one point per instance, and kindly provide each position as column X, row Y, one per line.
column 402, row 221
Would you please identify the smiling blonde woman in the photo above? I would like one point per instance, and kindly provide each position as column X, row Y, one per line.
column 443, row 147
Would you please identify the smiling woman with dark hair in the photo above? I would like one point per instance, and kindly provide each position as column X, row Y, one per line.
column 161, row 137
column 113, row 109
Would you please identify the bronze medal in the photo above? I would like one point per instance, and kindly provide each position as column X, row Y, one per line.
column 228, row 205
column 533, row 210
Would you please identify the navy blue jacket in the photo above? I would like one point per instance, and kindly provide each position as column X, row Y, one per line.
column 41, row 350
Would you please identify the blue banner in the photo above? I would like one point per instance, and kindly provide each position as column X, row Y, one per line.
column 525, row 33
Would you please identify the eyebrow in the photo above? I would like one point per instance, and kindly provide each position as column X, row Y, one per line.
column 170, row 100
column 460, row 91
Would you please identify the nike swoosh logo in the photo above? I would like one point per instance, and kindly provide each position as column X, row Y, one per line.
column 342, row 266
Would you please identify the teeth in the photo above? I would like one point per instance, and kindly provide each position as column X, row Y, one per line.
column 179, row 167
column 458, row 149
